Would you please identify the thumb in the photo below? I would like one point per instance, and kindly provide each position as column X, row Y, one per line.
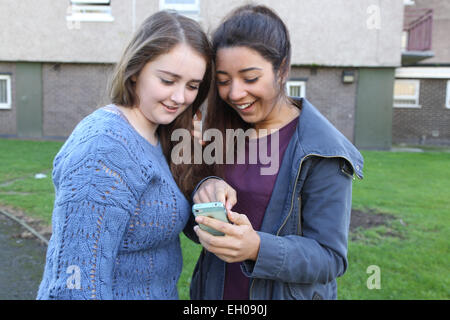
column 231, row 198
column 238, row 219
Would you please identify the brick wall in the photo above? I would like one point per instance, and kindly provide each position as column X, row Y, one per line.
column 70, row 93
column 428, row 125
column 334, row 99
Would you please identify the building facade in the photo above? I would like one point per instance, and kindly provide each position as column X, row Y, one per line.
column 421, row 110
column 59, row 54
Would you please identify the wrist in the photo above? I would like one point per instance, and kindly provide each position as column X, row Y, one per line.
column 255, row 251
column 200, row 183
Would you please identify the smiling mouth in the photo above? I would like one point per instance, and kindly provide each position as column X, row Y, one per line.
column 171, row 108
column 244, row 106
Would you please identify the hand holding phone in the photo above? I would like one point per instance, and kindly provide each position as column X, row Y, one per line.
column 215, row 210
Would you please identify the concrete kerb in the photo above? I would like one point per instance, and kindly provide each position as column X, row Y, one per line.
column 25, row 225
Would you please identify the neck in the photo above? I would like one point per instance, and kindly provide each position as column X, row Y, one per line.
column 141, row 124
column 282, row 113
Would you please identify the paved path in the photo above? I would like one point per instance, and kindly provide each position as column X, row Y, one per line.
column 21, row 262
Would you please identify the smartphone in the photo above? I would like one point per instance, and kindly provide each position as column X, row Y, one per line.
column 214, row 210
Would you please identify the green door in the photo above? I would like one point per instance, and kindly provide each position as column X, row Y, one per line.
column 29, row 99
column 373, row 119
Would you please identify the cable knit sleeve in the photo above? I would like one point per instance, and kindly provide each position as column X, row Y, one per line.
column 98, row 185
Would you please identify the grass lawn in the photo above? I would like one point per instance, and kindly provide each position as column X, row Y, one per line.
column 412, row 251
column 21, row 160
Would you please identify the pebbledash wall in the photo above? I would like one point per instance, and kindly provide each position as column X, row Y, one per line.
column 429, row 124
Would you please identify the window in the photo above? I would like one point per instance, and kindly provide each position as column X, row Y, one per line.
column 406, row 93
column 296, row 89
column 90, row 10
column 447, row 96
column 189, row 8
column 5, row 91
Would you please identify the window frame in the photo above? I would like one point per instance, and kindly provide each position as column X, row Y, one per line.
column 406, row 97
column 8, row 104
column 103, row 8
column 300, row 83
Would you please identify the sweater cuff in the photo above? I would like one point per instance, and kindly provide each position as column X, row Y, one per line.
column 198, row 185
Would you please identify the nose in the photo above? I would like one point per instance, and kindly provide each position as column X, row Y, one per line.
column 237, row 91
column 178, row 95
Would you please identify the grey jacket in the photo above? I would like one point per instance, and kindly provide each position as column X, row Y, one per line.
column 304, row 232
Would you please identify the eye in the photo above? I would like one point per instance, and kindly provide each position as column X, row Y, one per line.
column 222, row 82
column 166, row 82
column 251, row 80
column 193, row 87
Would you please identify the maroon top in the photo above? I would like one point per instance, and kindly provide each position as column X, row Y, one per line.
column 253, row 194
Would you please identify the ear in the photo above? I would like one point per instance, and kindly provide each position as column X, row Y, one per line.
column 133, row 79
column 283, row 72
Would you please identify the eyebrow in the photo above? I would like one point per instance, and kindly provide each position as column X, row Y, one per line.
column 241, row 71
column 177, row 76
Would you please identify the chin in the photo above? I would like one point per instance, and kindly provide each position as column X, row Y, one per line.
column 166, row 120
column 249, row 119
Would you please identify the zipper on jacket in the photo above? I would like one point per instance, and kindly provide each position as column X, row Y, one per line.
column 293, row 196
column 296, row 180
column 299, row 225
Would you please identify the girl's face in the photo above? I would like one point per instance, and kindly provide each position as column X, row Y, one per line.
column 246, row 81
column 167, row 85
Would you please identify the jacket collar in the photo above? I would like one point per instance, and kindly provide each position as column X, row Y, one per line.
column 315, row 135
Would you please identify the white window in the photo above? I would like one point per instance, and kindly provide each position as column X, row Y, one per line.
column 90, row 10
column 5, row 92
column 189, row 8
column 406, row 93
column 296, row 89
column 447, row 96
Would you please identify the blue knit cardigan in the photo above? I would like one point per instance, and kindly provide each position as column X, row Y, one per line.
column 117, row 216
